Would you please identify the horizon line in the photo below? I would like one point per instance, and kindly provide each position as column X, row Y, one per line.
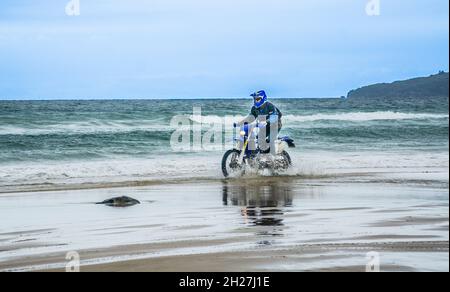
column 158, row 98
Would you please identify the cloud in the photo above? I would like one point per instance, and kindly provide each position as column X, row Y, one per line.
column 198, row 48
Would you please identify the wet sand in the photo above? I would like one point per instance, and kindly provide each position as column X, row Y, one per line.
column 258, row 224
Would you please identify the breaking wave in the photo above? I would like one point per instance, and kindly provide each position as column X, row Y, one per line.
column 362, row 117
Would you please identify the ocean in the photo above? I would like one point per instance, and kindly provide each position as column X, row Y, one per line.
column 62, row 143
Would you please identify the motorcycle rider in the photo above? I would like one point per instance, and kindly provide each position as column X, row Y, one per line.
column 266, row 114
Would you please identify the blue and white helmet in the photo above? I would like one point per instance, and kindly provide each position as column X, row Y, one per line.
column 259, row 98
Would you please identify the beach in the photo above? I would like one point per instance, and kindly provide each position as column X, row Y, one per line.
column 269, row 224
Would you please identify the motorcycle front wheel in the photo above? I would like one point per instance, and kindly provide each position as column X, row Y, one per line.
column 230, row 162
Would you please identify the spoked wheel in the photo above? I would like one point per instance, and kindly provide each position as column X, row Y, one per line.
column 283, row 161
column 230, row 163
column 287, row 157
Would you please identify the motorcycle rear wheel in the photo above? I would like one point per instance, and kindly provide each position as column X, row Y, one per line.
column 287, row 157
column 284, row 163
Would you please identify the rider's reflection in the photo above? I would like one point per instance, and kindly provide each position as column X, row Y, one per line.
column 262, row 203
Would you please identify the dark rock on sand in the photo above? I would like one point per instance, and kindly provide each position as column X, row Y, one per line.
column 120, row 202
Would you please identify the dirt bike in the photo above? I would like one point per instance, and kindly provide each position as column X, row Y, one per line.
column 241, row 157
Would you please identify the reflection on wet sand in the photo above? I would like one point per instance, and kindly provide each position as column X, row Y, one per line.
column 262, row 204
column 241, row 225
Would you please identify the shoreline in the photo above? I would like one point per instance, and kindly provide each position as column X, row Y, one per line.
column 374, row 176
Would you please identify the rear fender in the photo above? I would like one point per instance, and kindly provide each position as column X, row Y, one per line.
column 289, row 141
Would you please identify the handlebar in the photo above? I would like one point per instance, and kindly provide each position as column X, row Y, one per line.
column 258, row 125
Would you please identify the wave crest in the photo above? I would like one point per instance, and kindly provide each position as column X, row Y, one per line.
column 365, row 116
column 95, row 126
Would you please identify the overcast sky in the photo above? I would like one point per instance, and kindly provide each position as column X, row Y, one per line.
column 215, row 48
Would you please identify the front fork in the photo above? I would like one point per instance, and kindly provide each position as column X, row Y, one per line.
column 241, row 157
